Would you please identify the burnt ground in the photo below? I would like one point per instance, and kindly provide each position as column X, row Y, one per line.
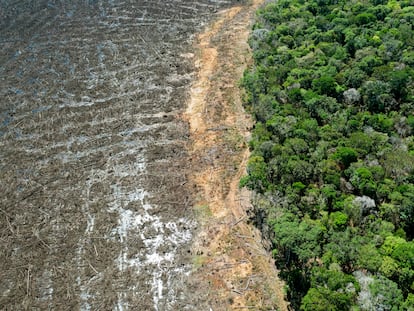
column 95, row 206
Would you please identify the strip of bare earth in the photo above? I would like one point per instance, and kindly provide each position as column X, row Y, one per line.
column 228, row 253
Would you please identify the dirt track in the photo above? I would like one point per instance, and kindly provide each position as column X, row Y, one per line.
column 97, row 187
column 229, row 254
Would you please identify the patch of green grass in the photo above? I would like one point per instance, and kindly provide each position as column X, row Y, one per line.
column 202, row 212
column 198, row 261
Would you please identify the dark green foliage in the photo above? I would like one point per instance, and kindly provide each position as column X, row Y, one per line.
column 324, row 85
column 377, row 98
column 257, row 170
column 345, row 155
column 338, row 220
column 324, row 299
column 331, row 289
column 364, row 18
column 363, row 180
column 333, row 148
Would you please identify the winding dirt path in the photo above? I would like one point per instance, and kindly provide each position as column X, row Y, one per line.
column 229, row 257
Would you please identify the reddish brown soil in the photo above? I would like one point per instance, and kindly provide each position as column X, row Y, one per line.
column 233, row 271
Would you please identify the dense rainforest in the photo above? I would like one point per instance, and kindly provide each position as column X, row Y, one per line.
column 332, row 161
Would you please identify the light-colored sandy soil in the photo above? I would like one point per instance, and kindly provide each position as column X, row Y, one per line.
column 232, row 269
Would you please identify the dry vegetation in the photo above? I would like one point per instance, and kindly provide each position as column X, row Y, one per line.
column 233, row 271
column 94, row 209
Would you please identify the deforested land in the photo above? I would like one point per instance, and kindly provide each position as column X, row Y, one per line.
column 95, row 208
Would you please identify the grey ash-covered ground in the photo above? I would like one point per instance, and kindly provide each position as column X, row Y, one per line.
column 94, row 209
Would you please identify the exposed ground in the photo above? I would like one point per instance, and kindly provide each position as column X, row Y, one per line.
column 96, row 184
column 94, row 206
column 233, row 271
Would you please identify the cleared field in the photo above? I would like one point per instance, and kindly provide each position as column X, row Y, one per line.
column 95, row 206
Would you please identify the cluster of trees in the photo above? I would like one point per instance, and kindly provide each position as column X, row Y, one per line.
column 332, row 158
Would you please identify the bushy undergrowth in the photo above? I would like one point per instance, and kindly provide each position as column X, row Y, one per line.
column 332, row 157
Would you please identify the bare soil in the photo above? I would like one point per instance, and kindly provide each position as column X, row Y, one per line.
column 113, row 197
column 233, row 271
